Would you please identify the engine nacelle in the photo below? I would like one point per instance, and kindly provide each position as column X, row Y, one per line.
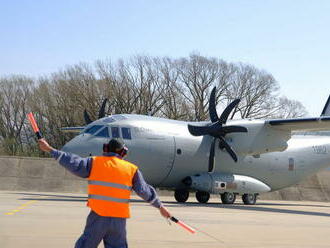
column 221, row 182
column 260, row 138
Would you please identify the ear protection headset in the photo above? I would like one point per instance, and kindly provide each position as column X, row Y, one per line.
column 106, row 148
column 122, row 152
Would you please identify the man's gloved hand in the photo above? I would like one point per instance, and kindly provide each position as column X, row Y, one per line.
column 164, row 212
column 44, row 146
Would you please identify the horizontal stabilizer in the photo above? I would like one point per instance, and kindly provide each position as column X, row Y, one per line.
column 72, row 129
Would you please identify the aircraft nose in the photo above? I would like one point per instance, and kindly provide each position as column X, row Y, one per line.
column 69, row 147
column 76, row 146
column 84, row 146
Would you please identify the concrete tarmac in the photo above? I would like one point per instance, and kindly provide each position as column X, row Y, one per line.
column 38, row 220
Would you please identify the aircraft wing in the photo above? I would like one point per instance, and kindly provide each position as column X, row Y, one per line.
column 72, row 129
column 301, row 124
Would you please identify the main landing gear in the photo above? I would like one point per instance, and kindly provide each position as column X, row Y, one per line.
column 181, row 195
column 228, row 198
column 202, row 196
column 249, row 199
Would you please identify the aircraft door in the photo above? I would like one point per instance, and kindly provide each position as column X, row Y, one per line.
column 282, row 171
column 191, row 157
column 154, row 155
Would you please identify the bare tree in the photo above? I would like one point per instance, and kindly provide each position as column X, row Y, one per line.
column 175, row 106
column 290, row 109
column 164, row 87
column 14, row 94
column 257, row 90
column 197, row 75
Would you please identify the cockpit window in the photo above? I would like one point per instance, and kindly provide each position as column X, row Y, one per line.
column 115, row 132
column 103, row 133
column 126, row 132
column 93, row 129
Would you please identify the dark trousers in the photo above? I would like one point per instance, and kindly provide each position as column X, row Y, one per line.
column 109, row 229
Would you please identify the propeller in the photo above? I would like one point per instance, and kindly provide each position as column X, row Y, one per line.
column 217, row 130
column 101, row 112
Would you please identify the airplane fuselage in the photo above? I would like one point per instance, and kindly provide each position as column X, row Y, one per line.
column 167, row 153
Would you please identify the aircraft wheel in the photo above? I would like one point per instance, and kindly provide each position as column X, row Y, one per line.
column 202, row 196
column 249, row 199
column 228, row 198
column 181, row 195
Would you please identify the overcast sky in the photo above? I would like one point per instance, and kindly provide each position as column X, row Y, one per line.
column 289, row 39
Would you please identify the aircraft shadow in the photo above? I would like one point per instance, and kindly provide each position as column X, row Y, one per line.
column 262, row 207
column 55, row 197
column 259, row 207
column 49, row 197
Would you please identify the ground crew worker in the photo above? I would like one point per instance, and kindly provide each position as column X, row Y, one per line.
column 110, row 180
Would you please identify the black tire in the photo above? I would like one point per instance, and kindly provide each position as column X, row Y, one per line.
column 228, row 198
column 249, row 199
column 202, row 196
column 181, row 195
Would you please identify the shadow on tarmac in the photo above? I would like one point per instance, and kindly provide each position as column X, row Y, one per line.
column 49, row 197
column 54, row 197
column 259, row 207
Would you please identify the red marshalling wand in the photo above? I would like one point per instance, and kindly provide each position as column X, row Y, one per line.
column 182, row 224
column 34, row 125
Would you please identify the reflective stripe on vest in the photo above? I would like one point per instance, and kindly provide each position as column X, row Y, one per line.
column 113, row 185
column 110, row 185
column 107, row 198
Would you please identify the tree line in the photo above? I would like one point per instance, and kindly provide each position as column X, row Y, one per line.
column 175, row 88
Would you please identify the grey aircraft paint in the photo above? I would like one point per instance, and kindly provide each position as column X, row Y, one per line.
column 269, row 158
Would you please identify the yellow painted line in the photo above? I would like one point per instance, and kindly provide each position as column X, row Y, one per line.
column 21, row 207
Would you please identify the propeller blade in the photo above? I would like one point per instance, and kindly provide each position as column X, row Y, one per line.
column 86, row 117
column 102, row 109
column 228, row 109
column 198, row 130
column 211, row 157
column 204, row 130
column 234, row 129
column 212, row 107
column 228, row 148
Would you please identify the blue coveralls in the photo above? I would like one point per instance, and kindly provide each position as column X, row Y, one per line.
column 109, row 229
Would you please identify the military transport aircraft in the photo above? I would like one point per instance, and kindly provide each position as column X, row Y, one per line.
column 227, row 157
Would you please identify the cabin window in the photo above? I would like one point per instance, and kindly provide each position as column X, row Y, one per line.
column 93, row 129
column 126, row 132
column 103, row 133
column 115, row 132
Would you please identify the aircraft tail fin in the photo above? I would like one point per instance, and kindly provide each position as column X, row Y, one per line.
column 326, row 109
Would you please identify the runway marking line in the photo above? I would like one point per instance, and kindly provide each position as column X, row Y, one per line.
column 21, row 207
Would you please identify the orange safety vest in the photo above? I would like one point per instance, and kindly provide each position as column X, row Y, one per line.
column 110, row 186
